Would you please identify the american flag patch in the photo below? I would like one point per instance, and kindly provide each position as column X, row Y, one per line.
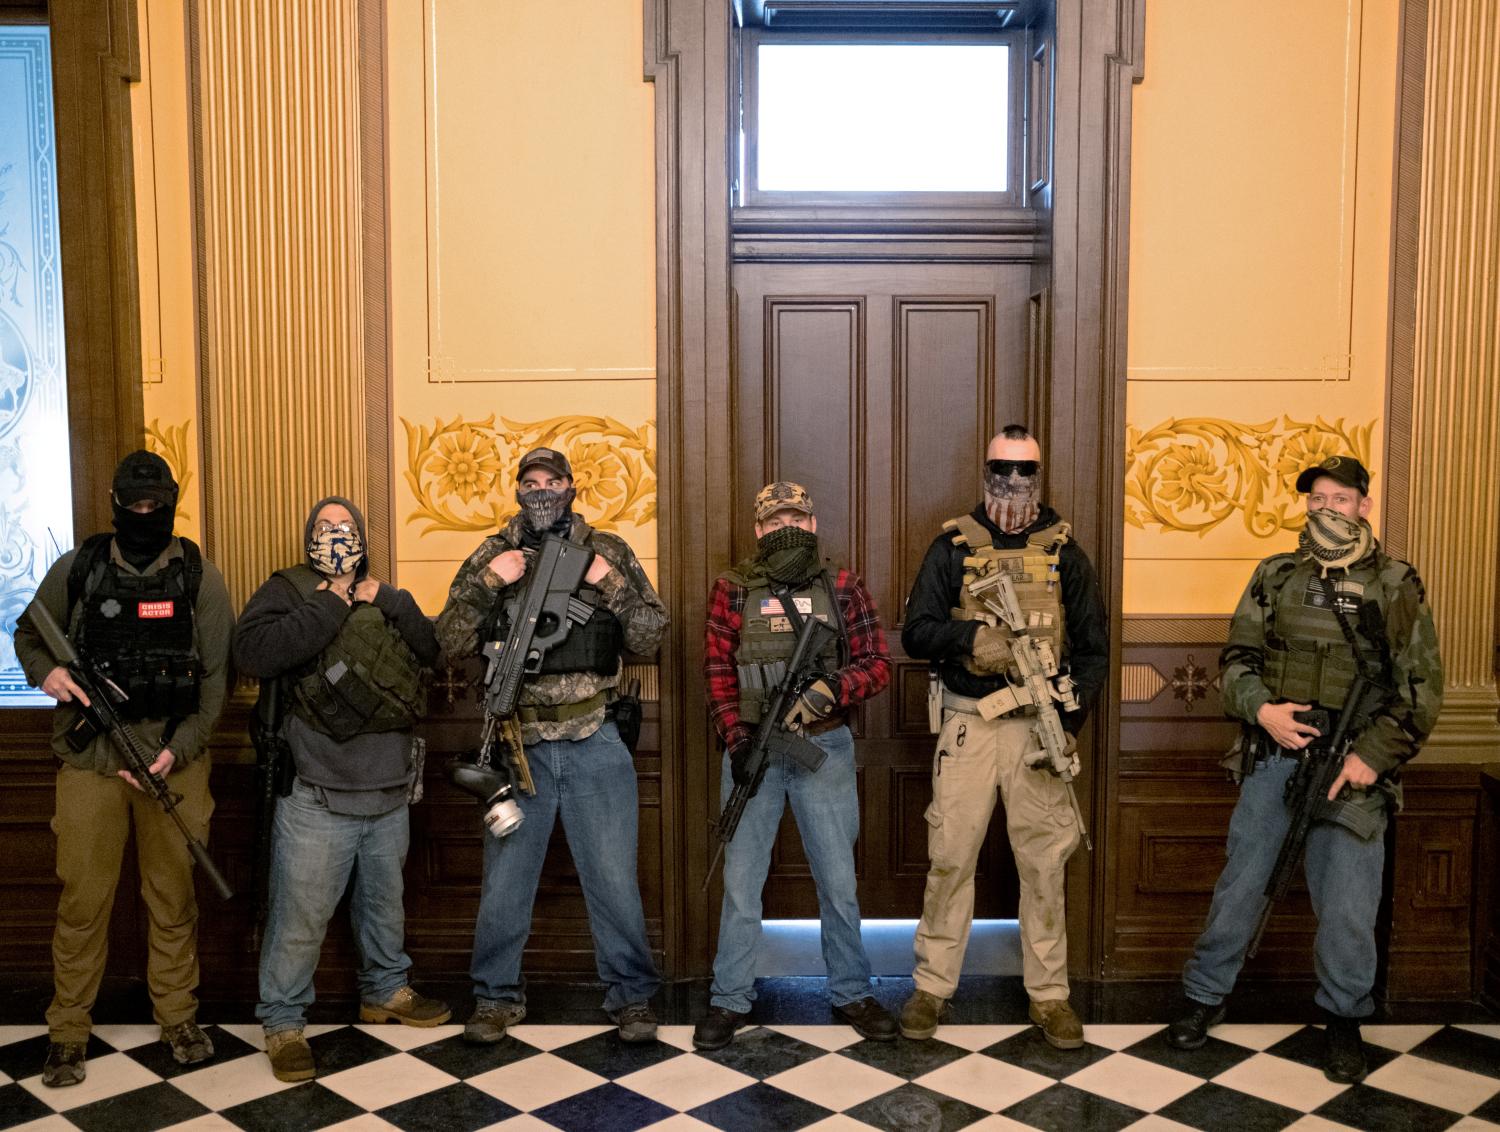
column 771, row 606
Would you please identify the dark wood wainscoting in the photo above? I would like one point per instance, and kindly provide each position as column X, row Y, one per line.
column 1172, row 807
column 442, row 868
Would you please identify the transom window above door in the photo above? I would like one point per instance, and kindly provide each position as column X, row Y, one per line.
column 880, row 117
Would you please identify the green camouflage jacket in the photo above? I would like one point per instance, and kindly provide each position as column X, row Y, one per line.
column 1407, row 717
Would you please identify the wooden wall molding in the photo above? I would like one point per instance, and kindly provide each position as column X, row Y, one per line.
column 95, row 56
column 1453, row 505
column 288, row 163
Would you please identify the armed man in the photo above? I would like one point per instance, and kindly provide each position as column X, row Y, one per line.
column 154, row 616
column 351, row 653
column 1007, row 608
column 579, row 768
column 755, row 614
column 1313, row 630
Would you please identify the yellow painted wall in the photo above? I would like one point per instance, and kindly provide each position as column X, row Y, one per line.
column 164, row 238
column 1261, row 176
column 521, row 159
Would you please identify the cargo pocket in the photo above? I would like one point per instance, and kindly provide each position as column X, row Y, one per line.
column 936, row 842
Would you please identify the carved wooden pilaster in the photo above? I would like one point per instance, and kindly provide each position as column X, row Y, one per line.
column 1453, row 512
column 294, row 399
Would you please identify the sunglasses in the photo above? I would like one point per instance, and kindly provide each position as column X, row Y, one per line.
column 1013, row 467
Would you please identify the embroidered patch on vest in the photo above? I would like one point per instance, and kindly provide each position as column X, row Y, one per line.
column 1348, row 592
column 155, row 610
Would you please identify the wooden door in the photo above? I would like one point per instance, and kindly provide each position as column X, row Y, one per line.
column 877, row 386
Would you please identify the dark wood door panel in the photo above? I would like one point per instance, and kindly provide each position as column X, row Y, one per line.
column 877, row 386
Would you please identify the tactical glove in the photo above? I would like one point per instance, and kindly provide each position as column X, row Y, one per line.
column 738, row 747
column 991, row 651
column 817, row 701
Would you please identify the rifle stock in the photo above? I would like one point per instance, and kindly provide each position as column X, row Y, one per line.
column 101, row 714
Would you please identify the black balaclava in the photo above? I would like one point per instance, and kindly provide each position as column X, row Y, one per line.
column 142, row 537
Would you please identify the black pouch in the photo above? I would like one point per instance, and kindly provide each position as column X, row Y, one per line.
column 626, row 712
column 1316, row 717
column 343, row 702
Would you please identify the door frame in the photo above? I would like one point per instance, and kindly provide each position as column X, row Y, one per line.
column 1099, row 48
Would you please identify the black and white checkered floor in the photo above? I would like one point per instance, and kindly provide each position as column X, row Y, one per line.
column 1248, row 1077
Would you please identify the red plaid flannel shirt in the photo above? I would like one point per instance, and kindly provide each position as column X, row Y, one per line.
column 866, row 674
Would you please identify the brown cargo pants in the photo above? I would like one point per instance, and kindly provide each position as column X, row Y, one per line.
column 94, row 816
column 973, row 758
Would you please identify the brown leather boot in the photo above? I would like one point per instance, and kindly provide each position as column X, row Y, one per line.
column 291, row 1056
column 407, row 1007
column 1060, row 1026
column 921, row 1014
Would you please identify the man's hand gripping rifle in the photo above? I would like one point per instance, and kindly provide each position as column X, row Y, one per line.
column 1043, row 686
column 540, row 621
column 101, row 716
column 773, row 737
column 1307, row 790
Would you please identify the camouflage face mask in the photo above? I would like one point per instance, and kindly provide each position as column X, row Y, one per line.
column 1333, row 540
column 790, row 554
column 336, row 551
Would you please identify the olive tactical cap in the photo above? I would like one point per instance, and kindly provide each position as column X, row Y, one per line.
column 783, row 495
column 1346, row 469
column 549, row 458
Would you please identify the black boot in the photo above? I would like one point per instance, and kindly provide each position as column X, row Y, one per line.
column 1344, row 1053
column 1190, row 1028
column 869, row 1019
column 715, row 1030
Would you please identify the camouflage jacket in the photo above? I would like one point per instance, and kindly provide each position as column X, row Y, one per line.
column 1407, row 717
column 626, row 592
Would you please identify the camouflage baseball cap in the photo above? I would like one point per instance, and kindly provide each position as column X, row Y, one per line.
column 783, row 495
column 1346, row 469
column 549, row 458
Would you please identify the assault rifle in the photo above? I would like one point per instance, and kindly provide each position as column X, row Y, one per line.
column 1043, row 682
column 274, row 771
column 1307, row 790
column 101, row 716
column 542, row 618
column 773, row 737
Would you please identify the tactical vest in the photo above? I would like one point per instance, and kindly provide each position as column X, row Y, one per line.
column 1307, row 658
column 1035, row 570
column 594, row 646
column 768, row 636
column 365, row 681
column 139, row 628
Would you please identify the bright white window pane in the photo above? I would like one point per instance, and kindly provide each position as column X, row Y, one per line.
column 882, row 117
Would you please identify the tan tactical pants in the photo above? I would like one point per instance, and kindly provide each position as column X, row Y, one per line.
column 93, row 819
column 973, row 758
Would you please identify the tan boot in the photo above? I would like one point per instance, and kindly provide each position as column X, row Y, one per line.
column 407, row 1007
column 291, row 1056
column 921, row 1014
column 1060, row 1026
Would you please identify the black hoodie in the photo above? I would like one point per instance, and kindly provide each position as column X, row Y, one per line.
column 931, row 633
column 279, row 632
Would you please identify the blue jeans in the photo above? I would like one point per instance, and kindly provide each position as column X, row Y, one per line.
column 313, row 852
column 589, row 783
column 825, row 803
column 1343, row 877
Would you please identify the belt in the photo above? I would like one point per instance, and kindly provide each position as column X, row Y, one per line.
column 561, row 713
column 1009, row 700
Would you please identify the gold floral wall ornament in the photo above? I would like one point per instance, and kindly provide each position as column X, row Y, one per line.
column 171, row 444
column 1192, row 473
column 461, row 471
